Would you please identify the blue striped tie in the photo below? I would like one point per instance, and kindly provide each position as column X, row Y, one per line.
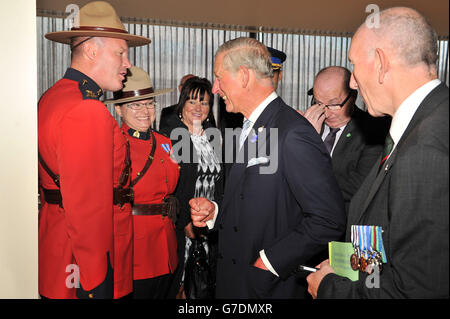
column 244, row 133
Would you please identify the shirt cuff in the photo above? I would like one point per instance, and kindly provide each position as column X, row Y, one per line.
column 266, row 262
column 210, row 223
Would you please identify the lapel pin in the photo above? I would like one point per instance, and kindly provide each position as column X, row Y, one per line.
column 348, row 135
column 260, row 129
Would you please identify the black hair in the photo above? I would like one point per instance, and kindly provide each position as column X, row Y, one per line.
column 194, row 88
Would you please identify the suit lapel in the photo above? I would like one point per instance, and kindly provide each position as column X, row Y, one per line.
column 237, row 171
column 425, row 108
column 339, row 153
column 377, row 175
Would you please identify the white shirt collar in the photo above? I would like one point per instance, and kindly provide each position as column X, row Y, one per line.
column 326, row 130
column 261, row 107
column 408, row 108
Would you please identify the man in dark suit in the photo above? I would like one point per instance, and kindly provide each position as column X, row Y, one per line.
column 353, row 137
column 168, row 111
column 407, row 192
column 235, row 120
column 282, row 204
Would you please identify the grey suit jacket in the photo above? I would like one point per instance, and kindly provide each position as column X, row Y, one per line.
column 409, row 199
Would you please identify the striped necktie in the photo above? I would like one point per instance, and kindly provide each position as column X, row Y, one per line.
column 244, row 132
column 388, row 145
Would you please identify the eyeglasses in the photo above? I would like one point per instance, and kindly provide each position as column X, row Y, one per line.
column 139, row 106
column 332, row 106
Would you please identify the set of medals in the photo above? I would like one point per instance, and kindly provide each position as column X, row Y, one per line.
column 368, row 248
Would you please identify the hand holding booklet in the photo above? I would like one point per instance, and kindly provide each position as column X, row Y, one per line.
column 339, row 257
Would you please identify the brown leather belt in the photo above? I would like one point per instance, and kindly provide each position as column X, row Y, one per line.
column 151, row 209
column 52, row 196
column 121, row 196
column 168, row 208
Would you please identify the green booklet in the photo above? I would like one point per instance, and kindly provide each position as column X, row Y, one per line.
column 339, row 257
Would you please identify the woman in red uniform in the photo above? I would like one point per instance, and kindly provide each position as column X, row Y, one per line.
column 154, row 178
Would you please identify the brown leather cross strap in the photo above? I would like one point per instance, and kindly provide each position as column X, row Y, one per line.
column 120, row 195
column 126, row 170
column 44, row 165
column 147, row 163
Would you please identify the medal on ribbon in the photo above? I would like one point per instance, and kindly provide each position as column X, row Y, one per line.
column 368, row 248
column 166, row 147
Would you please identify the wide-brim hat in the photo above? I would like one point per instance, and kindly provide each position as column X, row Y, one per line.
column 98, row 19
column 137, row 86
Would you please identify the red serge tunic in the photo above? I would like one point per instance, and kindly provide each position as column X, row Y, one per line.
column 81, row 142
column 155, row 243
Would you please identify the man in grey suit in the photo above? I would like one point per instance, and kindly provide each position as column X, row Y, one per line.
column 353, row 138
column 407, row 194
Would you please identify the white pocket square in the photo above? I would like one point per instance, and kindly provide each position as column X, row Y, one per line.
column 257, row 160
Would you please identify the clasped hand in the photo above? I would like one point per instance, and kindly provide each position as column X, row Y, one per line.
column 202, row 210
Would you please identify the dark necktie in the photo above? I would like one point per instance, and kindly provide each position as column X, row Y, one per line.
column 331, row 137
column 388, row 145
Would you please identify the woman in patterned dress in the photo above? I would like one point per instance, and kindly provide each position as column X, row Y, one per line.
column 197, row 144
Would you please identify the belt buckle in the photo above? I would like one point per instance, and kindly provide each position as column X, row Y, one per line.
column 172, row 208
column 165, row 212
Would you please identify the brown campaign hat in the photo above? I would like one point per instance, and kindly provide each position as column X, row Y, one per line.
column 98, row 19
column 137, row 86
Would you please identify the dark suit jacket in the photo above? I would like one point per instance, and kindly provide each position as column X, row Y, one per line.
column 291, row 213
column 409, row 199
column 166, row 114
column 357, row 150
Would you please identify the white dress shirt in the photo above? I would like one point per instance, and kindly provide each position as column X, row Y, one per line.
column 407, row 109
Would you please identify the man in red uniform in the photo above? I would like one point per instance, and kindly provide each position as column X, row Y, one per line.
column 85, row 223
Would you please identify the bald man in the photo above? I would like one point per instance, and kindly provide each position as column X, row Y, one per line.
column 407, row 192
column 353, row 138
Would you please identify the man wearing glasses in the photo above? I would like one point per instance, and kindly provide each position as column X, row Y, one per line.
column 353, row 138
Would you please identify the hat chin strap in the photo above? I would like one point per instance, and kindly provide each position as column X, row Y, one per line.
column 78, row 44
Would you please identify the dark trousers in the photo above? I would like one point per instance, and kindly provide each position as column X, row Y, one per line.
column 178, row 274
column 152, row 288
